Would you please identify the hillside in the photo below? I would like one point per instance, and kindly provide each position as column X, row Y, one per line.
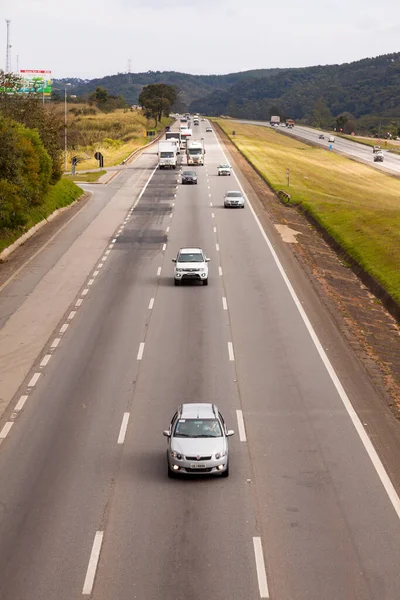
column 191, row 87
column 364, row 88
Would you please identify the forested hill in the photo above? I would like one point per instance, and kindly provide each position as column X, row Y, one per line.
column 191, row 87
column 367, row 87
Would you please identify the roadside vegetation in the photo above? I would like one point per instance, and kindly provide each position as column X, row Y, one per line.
column 90, row 177
column 356, row 204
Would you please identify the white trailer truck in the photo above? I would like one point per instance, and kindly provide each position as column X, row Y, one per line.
column 195, row 153
column 174, row 135
column 275, row 120
column 167, row 155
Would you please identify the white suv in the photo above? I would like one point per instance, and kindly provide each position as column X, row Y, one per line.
column 191, row 263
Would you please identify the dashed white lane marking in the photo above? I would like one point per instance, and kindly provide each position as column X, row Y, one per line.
column 164, row 247
column 78, row 302
column 167, row 230
column 220, row 271
column 224, row 303
column 4, row 432
column 170, row 216
column 111, row 245
column 215, row 229
column 55, row 343
column 71, row 315
column 217, row 247
column 20, row 404
column 107, row 252
column 45, row 360
column 34, row 380
column 90, row 282
column 151, row 303
column 114, row 240
column 93, row 562
column 64, row 328
column 212, row 215
column 173, row 204
column 260, row 565
column 85, row 292
column 365, row 440
column 209, row 195
column 95, row 273
column 140, row 351
column 100, row 265
column 158, row 271
column 124, row 426
column 104, row 257
column 230, row 351
column 211, row 204
column 241, row 427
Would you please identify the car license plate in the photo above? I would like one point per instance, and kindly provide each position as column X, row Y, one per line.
column 197, row 466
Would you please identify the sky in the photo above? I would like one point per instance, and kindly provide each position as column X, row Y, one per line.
column 93, row 38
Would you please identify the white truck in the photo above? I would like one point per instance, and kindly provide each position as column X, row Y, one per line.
column 195, row 153
column 176, row 137
column 186, row 134
column 167, row 155
column 275, row 120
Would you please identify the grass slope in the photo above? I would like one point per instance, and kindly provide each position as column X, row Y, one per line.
column 358, row 205
column 61, row 194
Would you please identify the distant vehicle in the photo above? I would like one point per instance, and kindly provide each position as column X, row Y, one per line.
column 174, row 135
column 167, row 155
column 376, row 149
column 224, row 170
column 195, row 153
column 289, row 123
column 198, row 441
column 234, row 200
column 208, row 130
column 331, row 139
column 196, row 122
column 202, row 119
column 191, row 263
column 321, row 136
column 189, row 177
column 183, row 120
column 275, row 120
column 378, row 156
column 167, row 128
column 186, row 134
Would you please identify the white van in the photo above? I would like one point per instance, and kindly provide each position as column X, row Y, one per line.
column 331, row 139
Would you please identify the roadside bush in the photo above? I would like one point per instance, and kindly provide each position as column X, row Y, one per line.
column 12, row 206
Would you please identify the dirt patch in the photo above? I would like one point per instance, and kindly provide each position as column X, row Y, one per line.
column 367, row 327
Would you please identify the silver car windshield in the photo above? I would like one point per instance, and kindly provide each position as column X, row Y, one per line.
column 234, row 195
column 197, row 428
column 186, row 257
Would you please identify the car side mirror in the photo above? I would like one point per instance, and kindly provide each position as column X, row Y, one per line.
column 230, row 432
column 174, row 260
column 207, row 260
column 167, row 433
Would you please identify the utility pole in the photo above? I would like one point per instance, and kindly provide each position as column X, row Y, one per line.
column 8, row 48
column 129, row 70
column 65, row 126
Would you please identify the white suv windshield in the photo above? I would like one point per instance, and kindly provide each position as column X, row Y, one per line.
column 186, row 257
column 195, row 428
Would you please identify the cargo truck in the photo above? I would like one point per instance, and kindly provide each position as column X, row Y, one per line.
column 195, row 153
column 289, row 123
column 174, row 135
column 186, row 134
column 275, row 120
column 167, row 155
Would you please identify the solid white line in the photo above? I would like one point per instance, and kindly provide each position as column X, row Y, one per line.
column 55, row 343
column 71, row 315
column 45, row 360
column 34, row 380
column 144, row 189
column 241, row 427
column 220, row 271
column 85, row 291
column 215, row 230
column 217, row 247
column 5, row 430
column 124, row 426
column 20, row 404
column 93, row 562
column 372, row 453
column 64, row 328
column 95, row 273
column 260, row 565
column 158, row 271
column 230, row 351
column 164, row 247
column 140, row 351
column 91, row 281
column 224, row 303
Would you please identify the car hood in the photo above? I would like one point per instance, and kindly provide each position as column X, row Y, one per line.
column 198, row 446
column 189, row 265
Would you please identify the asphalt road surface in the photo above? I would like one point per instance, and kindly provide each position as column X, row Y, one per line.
column 361, row 152
column 86, row 508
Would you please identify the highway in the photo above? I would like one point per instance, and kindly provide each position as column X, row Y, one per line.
column 86, row 509
column 360, row 152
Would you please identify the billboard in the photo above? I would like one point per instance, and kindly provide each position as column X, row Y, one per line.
column 35, row 80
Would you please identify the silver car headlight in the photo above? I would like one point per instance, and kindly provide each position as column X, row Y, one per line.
column 220, row 455
column 176, row 455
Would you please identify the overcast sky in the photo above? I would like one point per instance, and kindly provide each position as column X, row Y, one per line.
column 92, row 38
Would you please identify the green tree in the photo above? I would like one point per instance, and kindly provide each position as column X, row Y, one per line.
column 157, row 100
column 99, row 96
column 321, row 114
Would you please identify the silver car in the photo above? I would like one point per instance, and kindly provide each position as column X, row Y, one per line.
column 234, row 199
column 198, row 441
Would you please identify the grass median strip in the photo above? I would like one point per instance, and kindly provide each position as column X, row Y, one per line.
column 357, row 205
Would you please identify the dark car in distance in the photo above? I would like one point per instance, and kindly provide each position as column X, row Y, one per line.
column 189, row 177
